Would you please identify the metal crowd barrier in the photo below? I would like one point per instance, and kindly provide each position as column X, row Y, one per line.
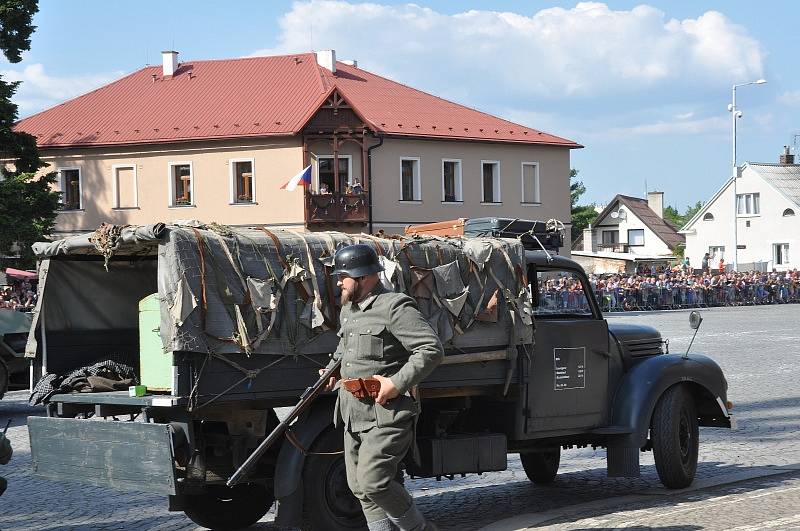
column 653, row 298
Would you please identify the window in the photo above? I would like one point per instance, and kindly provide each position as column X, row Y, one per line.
column 560, row 293
column 71, row 188
column 635, row 236
column 716, row 251
column 126, row 194
column 325, row 174
column 747, row 204
column 780, row 253
column 451, row 181
column 181, row 184
column 610, row 237
column 708, row 217
column 410, row 189
column 530, row 183
column 242, row 182
column 788, row 212
column 490, row 181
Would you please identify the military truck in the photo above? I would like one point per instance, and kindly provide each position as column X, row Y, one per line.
column 227, row 326
column 14, row 328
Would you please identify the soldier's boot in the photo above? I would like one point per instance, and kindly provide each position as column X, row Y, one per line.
column 381, row 525
column 412, row 520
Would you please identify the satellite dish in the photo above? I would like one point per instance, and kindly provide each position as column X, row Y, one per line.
column 615, row 214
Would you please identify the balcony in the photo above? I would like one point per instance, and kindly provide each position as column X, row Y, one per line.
column 613, row 247
column 337, row 207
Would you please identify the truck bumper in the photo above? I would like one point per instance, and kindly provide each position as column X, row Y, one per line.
column 122, row 455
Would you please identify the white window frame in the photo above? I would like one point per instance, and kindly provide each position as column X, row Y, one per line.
column 417, row 196
column 62, row 183
column 349, row 170
column 712, row 252
column 232, row 181
column 708, row 216
column 635, row 244
column 171, row 187
column 753, row 196
column 496, row 194
column 459, row 188
column 788, row 259
column 536, row 183
column 114, row 185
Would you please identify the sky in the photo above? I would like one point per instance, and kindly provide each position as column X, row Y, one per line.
column 643, row 86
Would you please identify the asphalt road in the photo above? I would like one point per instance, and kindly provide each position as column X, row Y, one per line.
column 748, row 479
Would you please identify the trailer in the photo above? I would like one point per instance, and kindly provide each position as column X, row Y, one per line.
column 225, row 326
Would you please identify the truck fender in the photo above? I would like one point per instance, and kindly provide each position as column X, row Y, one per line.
column 289, row 468
column 642, row 386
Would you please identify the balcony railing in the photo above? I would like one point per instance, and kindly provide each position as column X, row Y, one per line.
column 337, row 207
column 614, row 247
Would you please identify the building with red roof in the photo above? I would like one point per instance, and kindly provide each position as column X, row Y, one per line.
column 215, row 140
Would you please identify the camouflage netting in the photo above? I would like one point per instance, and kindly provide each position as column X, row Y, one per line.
column 257, row 290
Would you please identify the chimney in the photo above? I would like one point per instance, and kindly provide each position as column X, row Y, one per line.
column 786, row 156
column 588, row 239
column 655, row 200
column 327, row 59
column 169, row 59
column 350, row 62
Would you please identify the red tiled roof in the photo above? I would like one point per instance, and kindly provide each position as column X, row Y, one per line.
column 258, row 96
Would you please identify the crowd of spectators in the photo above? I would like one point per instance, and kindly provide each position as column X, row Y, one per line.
column 681, row 287
column 18, row 295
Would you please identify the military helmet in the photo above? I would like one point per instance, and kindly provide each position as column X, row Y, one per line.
column 356, row 261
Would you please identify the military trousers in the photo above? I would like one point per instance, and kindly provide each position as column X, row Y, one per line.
column 372, row 458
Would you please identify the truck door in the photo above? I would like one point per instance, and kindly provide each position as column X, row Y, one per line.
column 568, row 373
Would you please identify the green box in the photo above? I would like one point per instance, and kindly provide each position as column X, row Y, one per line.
column 155, row 365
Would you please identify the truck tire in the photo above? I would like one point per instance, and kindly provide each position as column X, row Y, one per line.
column 675, row 436
column 541, row 467
column 4, row 376
column 328, row 502
column 225, row 508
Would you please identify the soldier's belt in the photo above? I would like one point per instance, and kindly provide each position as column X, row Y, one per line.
column 362, row 387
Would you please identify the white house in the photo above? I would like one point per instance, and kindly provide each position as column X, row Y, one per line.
column 628, row 232
column 767, row 225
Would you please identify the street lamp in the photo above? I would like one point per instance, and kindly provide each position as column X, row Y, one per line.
column 735, row 114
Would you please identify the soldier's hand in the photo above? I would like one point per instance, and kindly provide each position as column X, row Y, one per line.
column 331, row 382
column 388, row 390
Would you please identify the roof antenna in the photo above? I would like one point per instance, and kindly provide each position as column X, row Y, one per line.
column 311, row 35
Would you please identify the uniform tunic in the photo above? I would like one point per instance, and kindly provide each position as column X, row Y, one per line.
column 384, row 334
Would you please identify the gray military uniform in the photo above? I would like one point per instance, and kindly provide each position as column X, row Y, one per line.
column 384, row 334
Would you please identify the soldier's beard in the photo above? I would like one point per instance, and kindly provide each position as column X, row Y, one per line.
column 351, row 296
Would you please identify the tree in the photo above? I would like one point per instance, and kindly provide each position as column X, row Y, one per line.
column 679, row 220
column 582, row 215
column 27, row 203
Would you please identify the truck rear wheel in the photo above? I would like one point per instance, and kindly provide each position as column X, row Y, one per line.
column 541, row 467
column 675, row 435
column 4, row 376
column 328, row 502
column 224, row 508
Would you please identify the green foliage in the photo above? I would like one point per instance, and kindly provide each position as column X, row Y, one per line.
column 582, row 215
column 27, row 213
column 16, row 17
column 679, row 220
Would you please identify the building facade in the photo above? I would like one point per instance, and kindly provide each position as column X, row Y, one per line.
column 767, row 225
column 216, row 140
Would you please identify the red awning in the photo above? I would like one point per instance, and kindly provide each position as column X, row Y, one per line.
column 20, row 274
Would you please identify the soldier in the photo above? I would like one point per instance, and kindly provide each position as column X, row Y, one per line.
column 5, row 456
column 386, row 341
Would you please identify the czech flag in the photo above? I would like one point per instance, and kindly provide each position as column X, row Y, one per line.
column 302, row 179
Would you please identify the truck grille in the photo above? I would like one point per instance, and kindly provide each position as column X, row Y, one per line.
column 644, row 347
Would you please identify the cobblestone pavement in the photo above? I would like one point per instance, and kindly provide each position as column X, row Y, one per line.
column 757, row 347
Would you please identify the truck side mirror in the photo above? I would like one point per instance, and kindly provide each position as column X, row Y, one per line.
column 695, row 319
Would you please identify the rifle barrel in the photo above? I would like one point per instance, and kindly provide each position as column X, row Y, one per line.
column 306, row 399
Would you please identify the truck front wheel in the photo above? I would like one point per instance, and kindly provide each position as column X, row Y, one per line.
column 328, row 502
column 225, row 508
column 675, row 436
column 4, row 377
column 541, row 467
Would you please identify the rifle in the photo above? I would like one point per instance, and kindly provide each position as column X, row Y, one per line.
column 308, row 396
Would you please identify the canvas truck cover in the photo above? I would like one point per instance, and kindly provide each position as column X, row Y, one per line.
column 269, row 291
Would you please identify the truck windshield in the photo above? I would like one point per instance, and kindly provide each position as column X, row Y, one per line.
column 560, row 293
